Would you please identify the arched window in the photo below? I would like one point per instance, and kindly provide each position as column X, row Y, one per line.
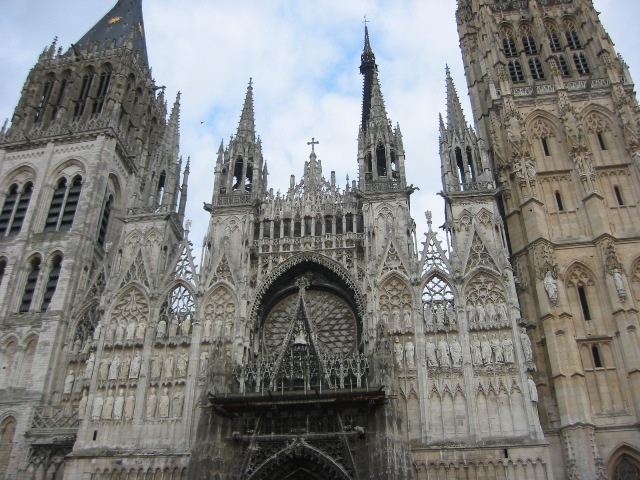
column 559, row 201
column 618, row 193
column 104, row 222
column 43, row 100
column 7, row 432
column 63, row 205
column 101, row 94
column 584, row 303
column 597, row 359
column 580, row 61
column 626, row 470
column 564, row 66
column 62, row 87
column 160, row 189
column 237, row 175
column 85, row 88
column 15, row 209
column 86, row 328
column 535, row 67
column 572, row 37
column 177, row 308
column 470, row 163
column 30, row 285
column 554, row 39
column 52, row 282
column 528, row 43
column 368, row 166
column 508, row 43
column 460, row 164
column 545, row 146
column 515, row 71
column 381, row 160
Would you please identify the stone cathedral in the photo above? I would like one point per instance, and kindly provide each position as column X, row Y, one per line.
column 321, row 336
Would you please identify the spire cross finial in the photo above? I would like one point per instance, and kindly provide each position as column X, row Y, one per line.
column 366, row 21
column 313, row 143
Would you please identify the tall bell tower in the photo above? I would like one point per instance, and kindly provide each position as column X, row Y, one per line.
column 556, row 106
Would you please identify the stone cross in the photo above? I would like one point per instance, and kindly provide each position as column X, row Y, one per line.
column 313, row 143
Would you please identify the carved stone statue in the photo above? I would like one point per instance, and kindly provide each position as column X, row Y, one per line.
column 450, row 315
column 103, row 371
column 88, row 369
column 141, row 328
column 456, row 352
column 551, row 287
column 173, row 327
column 480, row 312
column 129, row 406
column 471, row 314
column 82, row 406
column 163, row 405
column 181, row 365
column 408, row 326
column 131, row 329
column 186, row 326
column 118, row 406
column 430, row 349
column 167, row 370
column 492, row 315
column 156, row 366
column 398, row 350
column 533, row 390
column 134, row 371
column 218, row 327
column 161, row 329
column 618, row 282
column 503, row 313
column 207, row 330
column 443, row 353
column 507, row 348
column 68, row 382
column 152, row 402
column 409, row 354
column 178, row 402
column 96, row 411
column 98, row 331
column 124, row 367
column 486, row 350
column 476, row 350
column 526, row 345
column 204, row 361
column 397, row 327
column 114, row 368
column 107, row 408
column 120, row 331
column 496, row 348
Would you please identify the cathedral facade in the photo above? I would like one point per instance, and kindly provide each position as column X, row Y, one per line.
column 319, row 338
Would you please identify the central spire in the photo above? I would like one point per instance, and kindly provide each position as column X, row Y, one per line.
column 247, row 127
column 368, row 68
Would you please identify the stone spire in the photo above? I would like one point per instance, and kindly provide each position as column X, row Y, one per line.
column 247, row 127
column 368, row 68
column 455, row 115
column 183, row 191
column 122, row 24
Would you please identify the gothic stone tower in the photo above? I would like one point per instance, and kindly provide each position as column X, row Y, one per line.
column 557, row 109
column 88, row 162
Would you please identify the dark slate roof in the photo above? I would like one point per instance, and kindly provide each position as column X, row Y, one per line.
column 120, row 22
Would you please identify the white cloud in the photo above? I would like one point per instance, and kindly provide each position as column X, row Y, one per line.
column 303, row 58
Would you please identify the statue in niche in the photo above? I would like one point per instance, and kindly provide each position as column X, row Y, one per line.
column 526, row 345
column 107, row 408
column 86, row 347
column 450, row 315
column 408, row 326
column 496, row 348
column 111, row 333
column 141, row 328
column 428, row 315
column 98, row 331
column 492, row 315
column 439, row 316
column 129, row 406
column 82, row 406
column 124, row 366
column 89, row 366
column 68, row 383
column 485, row 346
column 161, row 330
column 397, row 327
column 456, row 352
column 398, row 350
column 476, row 350
column 103, row 371
column 168, row 366
column 178, row 402
column 551, row 287
column 204, row 362
column 120, row 331
column 533, row 390
column 206, row 332
column 503, row 313
column 480, row 312
column 156, row 366
column 409, row 355
column 443, row 353
column 430, row 349
column 384, row 318
column 96, row 411
column 619, row 283
column 118, row 406
column 134, row 371
column 186, row 326
column 471, row 314
column 218, row 326
column 181, row 365
column 114, row 368
column 131, row 329
column 228, row 328
column 76, row 347
column 163, row 404
column 507, row 348
column 173, row 327
column 152, row 402
column 238, row 352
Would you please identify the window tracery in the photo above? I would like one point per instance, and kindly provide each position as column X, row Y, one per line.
column 626, row 470
column 219, row 314
column 438, row 304
column 84, row 334
column 15, row 208
column 178, row 312
column 395, row 305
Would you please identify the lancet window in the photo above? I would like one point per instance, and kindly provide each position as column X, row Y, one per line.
column 437, row 299
column 177, row 311
column 63, row 205
column 515, row 71
column 30, row 284
column 101, row 94
column 508, row 42
column 85, row 88
column 14, row 209
column 52, row 281
column 43, row 99
column 85, row 330
column 104, row 221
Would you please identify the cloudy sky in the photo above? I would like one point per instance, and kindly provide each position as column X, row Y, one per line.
column 303, row 57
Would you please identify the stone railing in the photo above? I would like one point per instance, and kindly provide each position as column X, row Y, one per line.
column 55, row 418
column 505, row 6
column 233, row 199
column 470, row 187
column 384, row 186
